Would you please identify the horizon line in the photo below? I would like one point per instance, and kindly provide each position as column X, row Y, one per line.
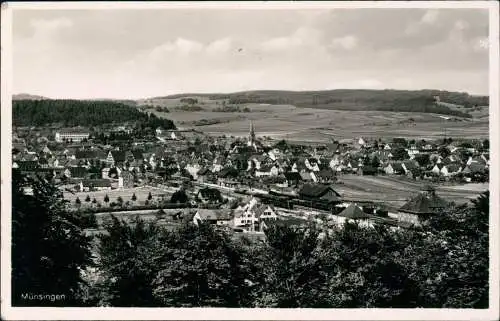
column 241, row 91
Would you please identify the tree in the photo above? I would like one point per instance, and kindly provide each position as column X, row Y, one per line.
column 199, row 267
column 423, row 159
column 150, row 197
column 128, row 255
column 94, row 201
column 400, row 154
column 455, row 272
column 49, row 246
column 87, row 199
column 486, row 144
column 291, row 269
column 375, row 162
column 179, row 196
column 106, row 199
column 134, row 198
column 77, row 201
column 444, row 152
column 119, row 200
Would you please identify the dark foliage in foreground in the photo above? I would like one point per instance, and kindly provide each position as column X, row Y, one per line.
column 442, row 264
column 49, row 246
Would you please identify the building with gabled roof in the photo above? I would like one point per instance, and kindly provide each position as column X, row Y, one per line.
column 212, row 216
column 422, row 206
column 319, row 192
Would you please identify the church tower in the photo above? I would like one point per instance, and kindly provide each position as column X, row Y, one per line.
column 251, row 136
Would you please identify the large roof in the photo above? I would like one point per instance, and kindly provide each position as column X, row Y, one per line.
column 424, row 204
column 209, row 214
column 353, row 212
column 315, row 190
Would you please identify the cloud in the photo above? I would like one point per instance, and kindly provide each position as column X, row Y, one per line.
column 220, row 46
column 127, row 53
column 347, row 42
column 302, row 37
column 430, row 17
column 46, row 26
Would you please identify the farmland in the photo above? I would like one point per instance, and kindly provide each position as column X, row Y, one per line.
column 321, row 125
column 395, row 191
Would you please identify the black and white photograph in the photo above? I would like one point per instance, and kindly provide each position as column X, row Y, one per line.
column 237, row 158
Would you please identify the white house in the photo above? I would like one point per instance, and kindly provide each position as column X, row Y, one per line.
column 76, row 137
column 450, row 170
column 215, row 217
column 253, row 213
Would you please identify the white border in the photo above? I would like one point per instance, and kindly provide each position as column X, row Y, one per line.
column 10, row 313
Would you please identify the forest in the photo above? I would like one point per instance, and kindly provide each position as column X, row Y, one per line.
column 141, row 264
column 85, row 113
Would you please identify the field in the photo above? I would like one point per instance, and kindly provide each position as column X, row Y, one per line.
column 140, row 192
column 320, row 125
column 395, row 191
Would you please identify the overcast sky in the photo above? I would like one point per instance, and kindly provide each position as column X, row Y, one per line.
column 144, row 53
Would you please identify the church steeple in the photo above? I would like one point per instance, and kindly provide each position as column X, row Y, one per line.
column 252, row 132
column 251, row 136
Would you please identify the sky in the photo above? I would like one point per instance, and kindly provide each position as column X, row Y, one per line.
column 132, row 54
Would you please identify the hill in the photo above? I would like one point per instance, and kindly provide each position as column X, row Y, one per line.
column 354, row 99
column 81, row 113
column 24, row 96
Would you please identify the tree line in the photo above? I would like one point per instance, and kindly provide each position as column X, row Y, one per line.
column 81, row 113
column 143, row 264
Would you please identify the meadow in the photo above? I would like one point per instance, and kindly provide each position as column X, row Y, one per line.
column 322, row 125
column 396, row 191
column 126, row 194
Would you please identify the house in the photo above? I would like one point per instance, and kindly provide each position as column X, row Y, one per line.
column 26, row 166
column 218, row 164
column 227, row 177
column 125, row 179
column 193, row 169
column 422, row 207
column 335, row 161
column 413, row 150
column 87, row 185
column 214, row 217
column 75, row 137
column 267, row 171
column 203, row 174
column 326, row 176
column 319, row 192
column 116, row 158
column 88, row 155
column 450, row 169
column 475, row 172
column 76, row 172
column 252, row 214
column 209, row 196
column 306, row 176
column 395, row 168
column 411, row 168
column 352, row 213
column 436, row 169
column 312, row 164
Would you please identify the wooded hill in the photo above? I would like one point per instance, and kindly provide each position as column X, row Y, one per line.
column 81, row 113
column 355, row 99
